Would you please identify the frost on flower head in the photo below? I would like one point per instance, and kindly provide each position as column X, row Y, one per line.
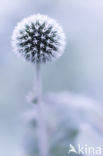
column 39, row 39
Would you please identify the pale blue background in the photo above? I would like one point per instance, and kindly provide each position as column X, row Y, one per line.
column 79, row 70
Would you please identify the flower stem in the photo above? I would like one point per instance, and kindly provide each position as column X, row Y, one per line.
column 42, row 131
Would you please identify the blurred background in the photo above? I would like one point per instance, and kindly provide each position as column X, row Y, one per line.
column 79, row 70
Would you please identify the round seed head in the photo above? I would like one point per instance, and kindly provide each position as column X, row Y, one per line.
column 38, row 38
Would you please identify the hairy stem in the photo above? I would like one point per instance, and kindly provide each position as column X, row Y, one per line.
column 42, row 131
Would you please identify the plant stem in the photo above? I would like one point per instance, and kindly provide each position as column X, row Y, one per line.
column 42, row 131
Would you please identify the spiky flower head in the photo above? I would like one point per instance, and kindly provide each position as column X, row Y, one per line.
column 38, row 38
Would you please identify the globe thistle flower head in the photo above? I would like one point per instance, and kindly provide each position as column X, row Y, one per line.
column 38, row 38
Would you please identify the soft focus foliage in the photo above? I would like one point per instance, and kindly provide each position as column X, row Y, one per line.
column 67, row 116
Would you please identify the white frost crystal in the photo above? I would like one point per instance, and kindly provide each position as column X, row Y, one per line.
column 39, row 39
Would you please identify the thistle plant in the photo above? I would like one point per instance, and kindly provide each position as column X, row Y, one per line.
column 39, row 39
